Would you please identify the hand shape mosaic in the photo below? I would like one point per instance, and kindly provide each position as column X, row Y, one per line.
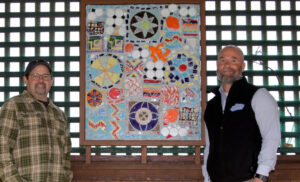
column 143, row 72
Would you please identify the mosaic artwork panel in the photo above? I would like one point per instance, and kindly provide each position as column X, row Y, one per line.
column 143, row 72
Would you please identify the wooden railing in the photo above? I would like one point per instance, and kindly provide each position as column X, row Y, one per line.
column 163, row 168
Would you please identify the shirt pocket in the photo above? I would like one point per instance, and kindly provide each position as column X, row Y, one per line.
column 34, row 134
column 32, row 121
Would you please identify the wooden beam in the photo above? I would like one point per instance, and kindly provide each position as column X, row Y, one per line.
column 144, row 154
column 88, row 154
column 197, row 154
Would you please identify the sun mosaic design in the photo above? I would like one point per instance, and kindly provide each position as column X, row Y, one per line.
column 142, row 72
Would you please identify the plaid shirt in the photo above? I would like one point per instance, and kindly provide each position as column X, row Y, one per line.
column 35, row 142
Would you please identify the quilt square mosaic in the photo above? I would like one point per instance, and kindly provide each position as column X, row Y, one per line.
column 143, row 72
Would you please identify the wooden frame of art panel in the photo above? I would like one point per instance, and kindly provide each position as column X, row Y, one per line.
column 142, row 72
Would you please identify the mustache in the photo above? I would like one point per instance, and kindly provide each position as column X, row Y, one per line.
column 226, row 69
column 40, row 84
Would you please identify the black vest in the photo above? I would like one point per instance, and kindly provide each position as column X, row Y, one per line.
column 234, row 136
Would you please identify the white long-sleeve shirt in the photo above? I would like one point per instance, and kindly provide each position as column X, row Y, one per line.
column 267, row 117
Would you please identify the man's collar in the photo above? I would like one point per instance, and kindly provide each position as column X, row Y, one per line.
column 221, row 90
column 29, row 97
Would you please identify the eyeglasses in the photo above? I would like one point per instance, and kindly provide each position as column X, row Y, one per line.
column 45, row 77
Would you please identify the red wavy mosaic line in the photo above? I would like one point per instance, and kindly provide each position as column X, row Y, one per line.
column 116, row 130
column 114, row 114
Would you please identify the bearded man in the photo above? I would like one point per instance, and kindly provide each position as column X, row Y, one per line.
column 242, row 126
column 35, row 142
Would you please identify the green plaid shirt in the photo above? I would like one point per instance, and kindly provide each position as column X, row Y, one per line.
column 35, row 142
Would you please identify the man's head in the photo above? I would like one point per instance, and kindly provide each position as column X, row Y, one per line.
column 230, row 64
column 38, row 79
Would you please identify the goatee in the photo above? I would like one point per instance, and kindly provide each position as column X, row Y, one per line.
column 229, row 79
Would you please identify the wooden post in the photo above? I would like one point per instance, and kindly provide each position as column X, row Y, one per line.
column 197, row 154
column 87, row 154
column 144, row 154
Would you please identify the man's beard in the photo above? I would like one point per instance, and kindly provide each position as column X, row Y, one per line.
column 229, row 79
column 41, row 89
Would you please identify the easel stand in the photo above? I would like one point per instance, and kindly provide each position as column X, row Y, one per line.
column 143, row 154
column 137, row 168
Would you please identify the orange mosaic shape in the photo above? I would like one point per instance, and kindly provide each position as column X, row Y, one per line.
column 156, row 53
column 171, row 115
column 172, row 23
column 129, row 47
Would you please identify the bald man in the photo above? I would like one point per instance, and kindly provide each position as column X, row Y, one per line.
column 242, row 126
